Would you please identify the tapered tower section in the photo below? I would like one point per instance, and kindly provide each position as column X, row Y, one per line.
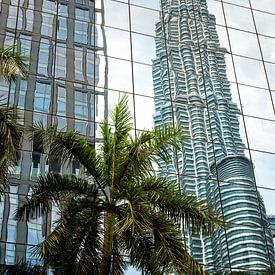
column 192, row 90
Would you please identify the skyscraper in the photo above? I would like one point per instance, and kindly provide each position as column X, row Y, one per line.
column 62, row 41
column 71, row 42
column 192, row 90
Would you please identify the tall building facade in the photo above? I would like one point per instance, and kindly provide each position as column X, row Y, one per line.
column 213, row 67
column 62, row 41
column 192, row 90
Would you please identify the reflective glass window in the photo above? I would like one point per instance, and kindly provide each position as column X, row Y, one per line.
column 78, row 64
column 22, row 94
column 47, row 24
column 116, row 14
column 81, row 26
column 12, row 17
column 61, row 101
column 81, row 112
column 60, row 61
column 12, row 225
column 42, row 97
column 43, row 57
column 62, row 28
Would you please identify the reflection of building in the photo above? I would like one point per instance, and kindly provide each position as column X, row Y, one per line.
column 211, row 164
column 64, row 70
column 271, row 221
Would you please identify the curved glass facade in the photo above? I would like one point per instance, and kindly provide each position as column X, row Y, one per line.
column 207, row 65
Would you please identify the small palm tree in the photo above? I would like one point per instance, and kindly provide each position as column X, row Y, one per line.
column 122, row 212
column 12, row 64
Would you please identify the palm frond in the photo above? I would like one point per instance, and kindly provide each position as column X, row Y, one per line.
column 136, row 213
column 41, row 136
column 12, row 64
column 65, row 147
column 121, row 119
column 146, row 148
column 10, row 133
column 22, row 268
column 74, row 246
column 166, row 138
column 10, row 138
column 169, row 248
column 140, row 249
column 50, row 189
column 178, row 205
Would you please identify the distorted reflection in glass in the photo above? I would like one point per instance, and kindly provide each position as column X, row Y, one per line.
column 119, row 75
column 144, row 107
column 118, row 43
column 116, row 14
column 215, row 8
column 147, row 24
column 102, row 70
column 143, row 80
column 230, row 72
column 256, row 102
column 250, row 48
column 223, row 37
column 250, row 72
column 238, row 17
column 143, row 48
column 267, row 46
column 263, row 27
column 261, row 134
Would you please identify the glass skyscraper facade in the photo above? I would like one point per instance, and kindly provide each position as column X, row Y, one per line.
column 207, row 65
column 201, row 103
column 62, row 41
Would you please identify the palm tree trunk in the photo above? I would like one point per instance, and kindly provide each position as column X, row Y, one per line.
column 105, row 267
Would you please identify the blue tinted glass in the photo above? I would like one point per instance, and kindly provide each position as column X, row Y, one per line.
column 42, row 97
column 81, row 32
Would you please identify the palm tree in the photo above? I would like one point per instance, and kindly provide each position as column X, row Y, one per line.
column 12, row 64
column 122, row 211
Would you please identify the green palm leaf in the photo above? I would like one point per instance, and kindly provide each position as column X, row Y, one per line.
column 12, row 64
column 53, row 189
column 22, row 268
column 10, row 138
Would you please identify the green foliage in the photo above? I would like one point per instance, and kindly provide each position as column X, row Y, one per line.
column 121, row 208
column 12, row 64
column 22, row 268
column 10, row 136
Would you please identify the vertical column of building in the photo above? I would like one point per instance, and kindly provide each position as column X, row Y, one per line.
column 203, row 107
column 61, row 39
column 240, row 195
